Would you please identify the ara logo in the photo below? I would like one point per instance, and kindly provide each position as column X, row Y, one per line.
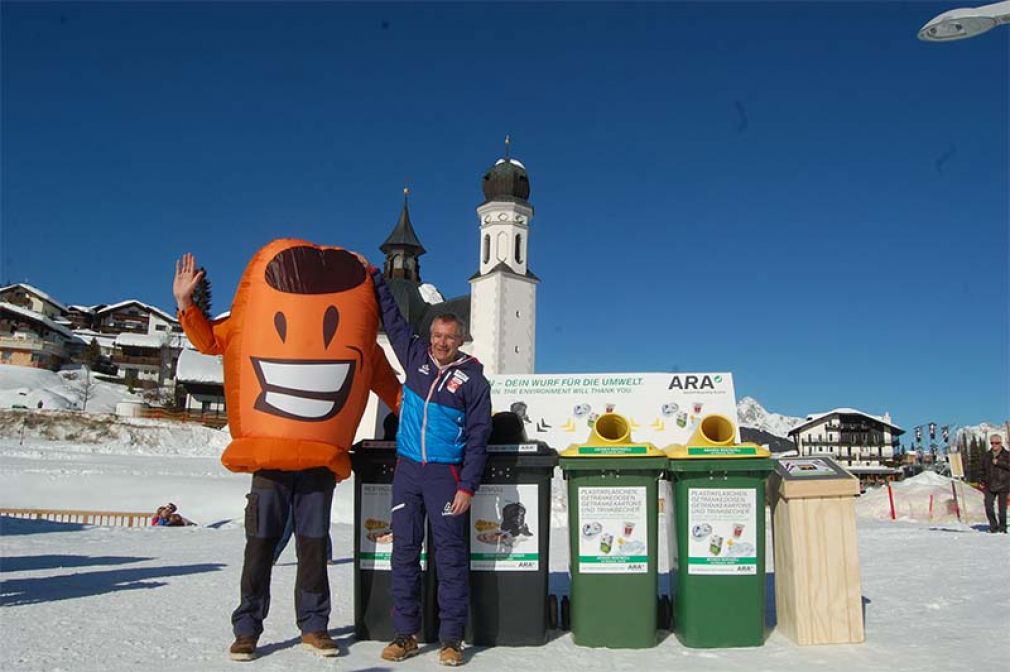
column 692, row 382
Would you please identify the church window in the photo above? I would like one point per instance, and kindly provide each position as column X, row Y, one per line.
column 487, row 248
column 517, row 349
column 501, row 246
column 519, row 248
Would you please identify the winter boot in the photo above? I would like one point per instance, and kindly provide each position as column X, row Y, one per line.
column 320, row 643
column 401, row 648
column 243, row 648
column 451, row 653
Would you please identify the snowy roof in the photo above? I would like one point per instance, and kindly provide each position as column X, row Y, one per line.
column 141, row 340
column 37, row 317
column 122, row 304
column 430, row 293
column 196, row 367
column 104, row 340
column 37, row 292
column 81, row 309
column 817, row 417
column 512, row 161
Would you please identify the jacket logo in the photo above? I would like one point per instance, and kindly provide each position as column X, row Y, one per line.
column 447, row 509
column 424, row 369
column 453, row 385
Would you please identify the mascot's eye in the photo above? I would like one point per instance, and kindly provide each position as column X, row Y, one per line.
column 281, row 325
column 330, row 321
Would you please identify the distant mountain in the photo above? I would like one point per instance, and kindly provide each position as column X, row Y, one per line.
column 754, row 416
column 981, row 430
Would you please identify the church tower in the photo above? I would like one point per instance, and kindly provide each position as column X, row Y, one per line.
column 402, row 248
column 503, row 292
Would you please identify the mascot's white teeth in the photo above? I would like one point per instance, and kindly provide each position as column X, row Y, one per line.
column 310, row 409
column 315, row 378
column 303, row 390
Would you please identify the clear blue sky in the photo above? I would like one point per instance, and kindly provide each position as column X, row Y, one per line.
column 800, row 193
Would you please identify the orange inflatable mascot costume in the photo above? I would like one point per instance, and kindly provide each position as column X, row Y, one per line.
column 300, row 356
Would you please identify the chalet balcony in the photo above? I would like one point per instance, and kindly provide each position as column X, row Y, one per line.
column 135, row 360
column 32, row 345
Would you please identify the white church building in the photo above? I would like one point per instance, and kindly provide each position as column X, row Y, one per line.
column 500, row 312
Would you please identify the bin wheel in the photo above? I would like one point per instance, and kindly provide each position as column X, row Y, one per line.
column 664, row 612
column 566, row 613
column 552, row 612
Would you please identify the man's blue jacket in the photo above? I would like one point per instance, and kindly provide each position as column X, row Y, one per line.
column 445, row 415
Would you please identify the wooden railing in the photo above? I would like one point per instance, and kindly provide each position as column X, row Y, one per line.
column 103, row 518
column 208, row 419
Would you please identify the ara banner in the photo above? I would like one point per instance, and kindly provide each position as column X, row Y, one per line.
column 662, row 408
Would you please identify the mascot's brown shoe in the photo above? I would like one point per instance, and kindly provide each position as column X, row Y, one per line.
column 243, row 648
column 451, row 654
column 320, row 643
column 401, row 648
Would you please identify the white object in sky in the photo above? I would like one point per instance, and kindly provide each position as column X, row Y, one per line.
column 958, row 24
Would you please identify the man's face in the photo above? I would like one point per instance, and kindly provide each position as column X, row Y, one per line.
column 996, row 443
column 445, row 341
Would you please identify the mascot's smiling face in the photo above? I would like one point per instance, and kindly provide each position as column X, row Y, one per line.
column 310, row 281
column 308, row 318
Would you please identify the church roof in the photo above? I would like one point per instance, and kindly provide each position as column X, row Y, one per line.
column 403, row 235
column 408, row 297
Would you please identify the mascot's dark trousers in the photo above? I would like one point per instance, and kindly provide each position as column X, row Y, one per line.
column 273, row 497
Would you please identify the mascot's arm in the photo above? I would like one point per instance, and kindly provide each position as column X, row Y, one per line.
column 207, row 337
column 384, row 382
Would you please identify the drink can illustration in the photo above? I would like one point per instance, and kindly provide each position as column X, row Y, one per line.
column 737, row 530
column 606, row 543
column 682, row 419
column 715, row 544
column 629, row 527
column 697, row 407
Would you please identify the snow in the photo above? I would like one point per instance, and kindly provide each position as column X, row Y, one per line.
column 146, row 306
column 195, row 367
column 512, row 161
column 141, row 340
column 117, row 599
column 912, row 501
column 430, row 293
column 25, row 386
column 814, row 417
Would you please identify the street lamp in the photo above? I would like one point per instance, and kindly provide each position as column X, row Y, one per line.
column 958, row 24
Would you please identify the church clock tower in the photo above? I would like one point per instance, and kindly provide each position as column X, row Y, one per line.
column 503, row 292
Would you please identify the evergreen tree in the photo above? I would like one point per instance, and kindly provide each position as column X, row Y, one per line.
column 92, row 353
column 202, row 295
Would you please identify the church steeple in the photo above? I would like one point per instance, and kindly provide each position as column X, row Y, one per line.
column 402, row 248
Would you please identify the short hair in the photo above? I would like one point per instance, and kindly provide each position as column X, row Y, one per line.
column 451, row 317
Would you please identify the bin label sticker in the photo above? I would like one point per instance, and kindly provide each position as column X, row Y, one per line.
column 505, row 528
column 375, row 528
column 613, row 531
column 613, row 450
column 720, row 451
column 722, row 531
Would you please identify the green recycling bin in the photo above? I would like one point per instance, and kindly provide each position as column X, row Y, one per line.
column 612, row 522
column 719, row 502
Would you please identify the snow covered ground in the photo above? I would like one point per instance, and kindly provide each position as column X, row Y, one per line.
column 112, row 599
column 28, row 387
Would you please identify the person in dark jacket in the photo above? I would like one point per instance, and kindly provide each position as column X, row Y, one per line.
column 996, row 482
column 441, row 443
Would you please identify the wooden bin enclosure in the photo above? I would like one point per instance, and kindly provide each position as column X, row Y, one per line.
column 818, row 594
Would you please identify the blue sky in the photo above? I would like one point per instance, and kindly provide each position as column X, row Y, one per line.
column 800, row 193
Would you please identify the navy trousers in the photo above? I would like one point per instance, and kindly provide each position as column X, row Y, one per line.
column 420, row 491
column 306, row 496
